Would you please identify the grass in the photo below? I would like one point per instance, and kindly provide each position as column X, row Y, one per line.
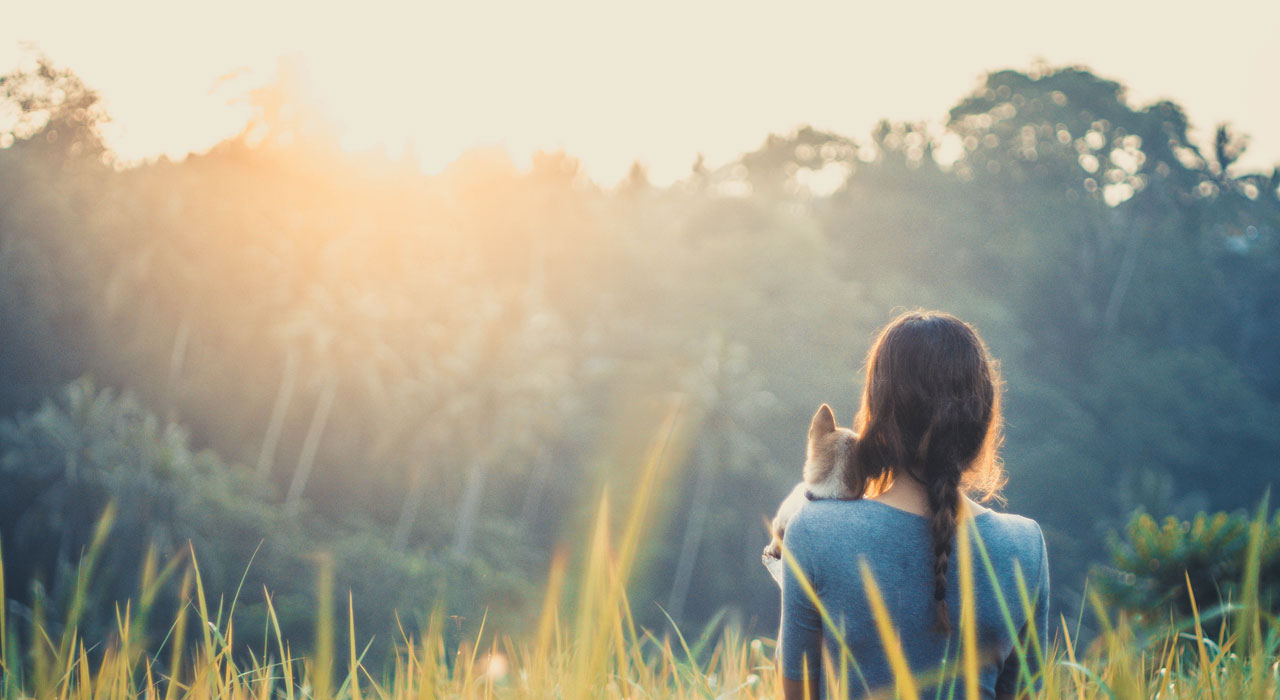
column 591, row 648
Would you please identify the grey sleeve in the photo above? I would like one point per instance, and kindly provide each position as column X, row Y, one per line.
column 1033, row 638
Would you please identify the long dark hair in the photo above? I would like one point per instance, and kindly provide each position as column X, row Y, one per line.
column 931, row 408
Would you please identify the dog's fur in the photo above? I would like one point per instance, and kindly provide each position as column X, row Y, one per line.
column 828, row 456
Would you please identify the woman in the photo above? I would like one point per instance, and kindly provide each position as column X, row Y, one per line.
column 929, row 429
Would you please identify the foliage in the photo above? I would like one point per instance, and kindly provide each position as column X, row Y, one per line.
column 89, row 450
column 1153, row 564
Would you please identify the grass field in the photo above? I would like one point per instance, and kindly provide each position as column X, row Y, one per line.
column 588, row 647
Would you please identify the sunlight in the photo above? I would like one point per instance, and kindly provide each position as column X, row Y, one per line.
column 611, row 85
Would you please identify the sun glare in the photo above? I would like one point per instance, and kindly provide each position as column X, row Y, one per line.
column 658, row 83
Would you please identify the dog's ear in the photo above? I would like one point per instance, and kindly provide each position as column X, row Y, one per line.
column 823, row 423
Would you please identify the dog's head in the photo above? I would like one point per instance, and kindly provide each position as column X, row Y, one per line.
column 828, row 455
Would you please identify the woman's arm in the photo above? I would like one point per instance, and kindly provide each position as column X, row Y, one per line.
column 800, row 634
column 1032, row 644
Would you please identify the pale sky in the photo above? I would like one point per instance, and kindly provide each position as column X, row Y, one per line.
column 656, row 81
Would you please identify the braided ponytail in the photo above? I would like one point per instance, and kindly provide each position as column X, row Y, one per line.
column 944, row 501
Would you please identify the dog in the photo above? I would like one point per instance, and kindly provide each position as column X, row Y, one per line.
column 828, row 457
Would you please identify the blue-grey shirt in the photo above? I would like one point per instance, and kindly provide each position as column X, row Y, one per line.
column 829, row 538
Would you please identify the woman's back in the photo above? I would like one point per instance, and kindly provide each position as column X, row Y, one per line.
column 828, row 540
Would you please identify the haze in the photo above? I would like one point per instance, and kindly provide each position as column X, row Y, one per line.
column 657, row 82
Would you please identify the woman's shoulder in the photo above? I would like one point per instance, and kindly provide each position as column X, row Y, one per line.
column 835, row 530
column 1010, row 536
column 1010, row 525
column 820, row 512
column 826, row 519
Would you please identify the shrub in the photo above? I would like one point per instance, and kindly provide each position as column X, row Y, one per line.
column 1152, row 563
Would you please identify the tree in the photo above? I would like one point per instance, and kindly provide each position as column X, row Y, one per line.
column 727, row 400
column 53, row 113
column 87, row 449
column 51, row 156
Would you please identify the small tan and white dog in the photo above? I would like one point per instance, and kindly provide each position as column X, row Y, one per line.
column 828, row 456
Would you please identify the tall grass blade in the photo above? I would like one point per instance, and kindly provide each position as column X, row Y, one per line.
column 968, row 616
column 4, row 629
column 322, row 662
column 903, row 680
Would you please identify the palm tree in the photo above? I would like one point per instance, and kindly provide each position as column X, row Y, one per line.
column 311, row 444
column 414, row 422
column 523, row 376
column 727, row 393
column 275, row 425
column 341, row 331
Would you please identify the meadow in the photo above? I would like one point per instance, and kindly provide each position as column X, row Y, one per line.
column 588, row 645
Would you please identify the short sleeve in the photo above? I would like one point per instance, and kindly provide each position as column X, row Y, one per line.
column 1034, row 637
column 800, row 636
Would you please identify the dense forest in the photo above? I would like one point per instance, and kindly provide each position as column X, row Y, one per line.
column 278, row 347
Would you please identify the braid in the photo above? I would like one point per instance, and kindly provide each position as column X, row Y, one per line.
column 944, row 500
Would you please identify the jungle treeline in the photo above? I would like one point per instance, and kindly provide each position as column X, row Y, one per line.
column 282, row 347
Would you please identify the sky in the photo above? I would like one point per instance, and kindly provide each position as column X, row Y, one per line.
column 611, row 83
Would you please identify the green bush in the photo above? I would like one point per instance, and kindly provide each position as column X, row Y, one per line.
column 88, row 449
column 1152, row 563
